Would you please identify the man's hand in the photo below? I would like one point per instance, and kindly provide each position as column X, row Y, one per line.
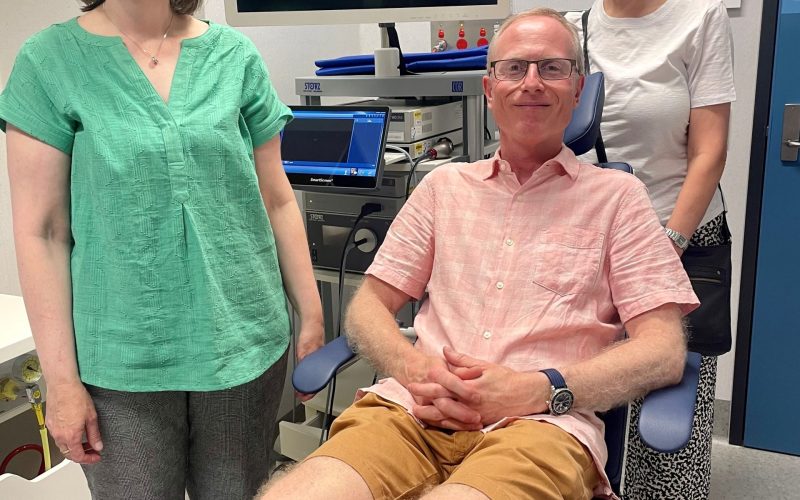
column 70, row 415
column 311, row 338
column 493, row 391
column 429, row 375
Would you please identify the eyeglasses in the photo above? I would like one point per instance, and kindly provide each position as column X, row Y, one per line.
column 549, row 69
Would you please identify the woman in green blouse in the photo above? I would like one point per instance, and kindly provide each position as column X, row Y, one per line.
column 157, row 240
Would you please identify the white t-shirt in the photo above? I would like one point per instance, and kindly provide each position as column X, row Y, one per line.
column 656, row 68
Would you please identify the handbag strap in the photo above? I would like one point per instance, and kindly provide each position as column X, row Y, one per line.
column 726, row 232
column 585, row 26
column 599, row 146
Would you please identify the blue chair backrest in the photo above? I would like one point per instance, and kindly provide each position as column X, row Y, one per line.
column 581, row 133
column 581, row 137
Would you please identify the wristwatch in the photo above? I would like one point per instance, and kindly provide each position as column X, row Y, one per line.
column 561, row 398
column 680, row 240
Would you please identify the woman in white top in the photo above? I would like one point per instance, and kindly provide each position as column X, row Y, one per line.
column 668, row 69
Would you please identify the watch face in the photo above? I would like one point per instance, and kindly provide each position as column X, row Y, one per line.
column 561, row 402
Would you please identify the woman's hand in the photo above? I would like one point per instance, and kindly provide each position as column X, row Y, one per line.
column 71, row 414
column 311, row 338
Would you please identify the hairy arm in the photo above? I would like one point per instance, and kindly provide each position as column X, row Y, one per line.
column 40, row 200
column 652, row 357
column 290, row 238
column 707, row 151
column 373, row 333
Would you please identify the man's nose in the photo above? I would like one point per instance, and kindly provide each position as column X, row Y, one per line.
column 532, row 77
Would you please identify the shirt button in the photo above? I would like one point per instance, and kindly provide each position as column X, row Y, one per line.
column 500, row 285
column 487, row 334
column 510, row 242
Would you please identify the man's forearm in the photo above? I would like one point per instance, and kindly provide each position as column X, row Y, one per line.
column 373, row 333
column 653, row 357
column 627, row 370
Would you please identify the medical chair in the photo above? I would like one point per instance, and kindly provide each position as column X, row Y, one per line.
column 667, row 414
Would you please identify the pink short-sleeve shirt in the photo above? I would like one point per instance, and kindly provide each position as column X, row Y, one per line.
column 530, row 276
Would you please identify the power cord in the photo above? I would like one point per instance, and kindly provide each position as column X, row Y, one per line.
column 366, row 209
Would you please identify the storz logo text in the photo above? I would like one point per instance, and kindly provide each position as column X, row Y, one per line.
column 313, row 87
column 457, row 86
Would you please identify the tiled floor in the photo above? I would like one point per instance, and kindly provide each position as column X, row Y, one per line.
column 746, row 473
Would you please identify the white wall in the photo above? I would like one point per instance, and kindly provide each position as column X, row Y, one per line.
column 18, row 21
column 290, row 52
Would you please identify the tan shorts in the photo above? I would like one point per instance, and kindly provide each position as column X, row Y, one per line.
column 398, row 458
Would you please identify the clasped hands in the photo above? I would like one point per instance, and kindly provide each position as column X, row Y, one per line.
column 464, row 393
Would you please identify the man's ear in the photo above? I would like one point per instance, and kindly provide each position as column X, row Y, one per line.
column 487, row 90
column 579, row 88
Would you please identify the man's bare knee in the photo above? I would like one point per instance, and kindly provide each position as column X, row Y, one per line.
column 317, row 477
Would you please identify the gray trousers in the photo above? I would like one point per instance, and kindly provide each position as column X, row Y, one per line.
column 214, row 445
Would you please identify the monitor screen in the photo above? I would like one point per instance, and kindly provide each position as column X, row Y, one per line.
column 294, row 12
column 335, row 147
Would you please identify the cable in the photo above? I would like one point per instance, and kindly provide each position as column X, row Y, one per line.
column 35, row 399
column 366, row 209
column 401, row 150
column 411, row 172
column 442, row 149
column 16, row 451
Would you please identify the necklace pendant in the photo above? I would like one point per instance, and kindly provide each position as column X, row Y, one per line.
column 155, row 60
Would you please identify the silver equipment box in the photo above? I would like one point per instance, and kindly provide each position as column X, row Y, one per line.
column 418, row 148
column 414, row 120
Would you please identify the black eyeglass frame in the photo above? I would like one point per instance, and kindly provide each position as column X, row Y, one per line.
column 572, row 66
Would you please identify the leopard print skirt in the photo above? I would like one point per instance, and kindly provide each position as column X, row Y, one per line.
column 685, row 474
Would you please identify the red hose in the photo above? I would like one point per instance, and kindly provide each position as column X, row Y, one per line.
column 17, row 451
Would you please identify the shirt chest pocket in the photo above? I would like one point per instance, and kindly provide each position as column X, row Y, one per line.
column 566, row 260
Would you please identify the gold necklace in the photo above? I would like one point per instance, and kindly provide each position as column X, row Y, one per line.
column 153, row 57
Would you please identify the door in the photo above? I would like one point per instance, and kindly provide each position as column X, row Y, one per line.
column 767, row 375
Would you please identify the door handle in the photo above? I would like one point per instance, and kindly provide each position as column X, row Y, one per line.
column 790, row 140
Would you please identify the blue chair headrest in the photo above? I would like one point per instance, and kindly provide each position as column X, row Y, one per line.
column 581, row 133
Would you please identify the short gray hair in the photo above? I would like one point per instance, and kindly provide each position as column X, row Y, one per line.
column 541, row 12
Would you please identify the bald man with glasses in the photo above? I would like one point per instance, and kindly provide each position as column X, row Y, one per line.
column 535, row 265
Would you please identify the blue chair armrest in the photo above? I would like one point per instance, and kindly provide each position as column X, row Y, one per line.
column 665, row 423
column 314, row 372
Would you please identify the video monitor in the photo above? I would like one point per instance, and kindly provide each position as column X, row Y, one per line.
column 337, row 148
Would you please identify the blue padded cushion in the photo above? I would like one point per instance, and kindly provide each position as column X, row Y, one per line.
column 314, row 372
column 455, row 64
column 665, row 423
column 425, row 66
column 581, row 133
column 369, row 59
column 363, row 69
column 617, row 165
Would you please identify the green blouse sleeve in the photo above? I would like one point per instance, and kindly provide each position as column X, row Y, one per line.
column 31, row 101
column 262, row 110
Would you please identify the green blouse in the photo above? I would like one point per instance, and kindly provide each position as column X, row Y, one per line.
column 175, row 276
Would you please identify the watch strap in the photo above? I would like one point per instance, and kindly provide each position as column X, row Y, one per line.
column 555, row 377
column 679, row 239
